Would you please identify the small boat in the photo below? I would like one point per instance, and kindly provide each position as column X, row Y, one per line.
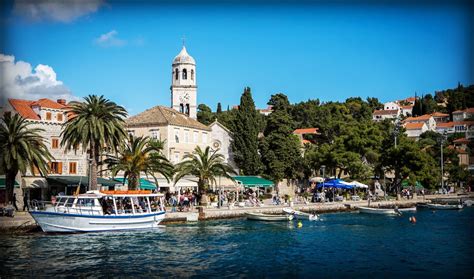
column 100, row 211
column 268, row 217
column 444, row 206
column 408, row 209
column 468, row 203
column 382, row 211
column 300, row 215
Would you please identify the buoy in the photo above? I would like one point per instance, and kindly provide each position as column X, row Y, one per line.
column 300, row 224
column 412, row 219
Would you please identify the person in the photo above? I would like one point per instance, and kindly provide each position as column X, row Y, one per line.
column 14, row 202
column 26, row 203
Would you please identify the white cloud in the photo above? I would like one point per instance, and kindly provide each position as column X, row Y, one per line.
column 56, row 10
column 19, row 80
column 109, row 39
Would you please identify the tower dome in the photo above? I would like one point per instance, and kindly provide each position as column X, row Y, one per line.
column 184, row 57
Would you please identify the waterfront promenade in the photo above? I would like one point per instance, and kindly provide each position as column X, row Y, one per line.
column 24, row 222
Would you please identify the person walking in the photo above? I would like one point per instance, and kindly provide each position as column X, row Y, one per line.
column 26, row 203
column 14, row 202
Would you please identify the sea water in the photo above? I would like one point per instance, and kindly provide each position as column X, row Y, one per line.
column 347, row 245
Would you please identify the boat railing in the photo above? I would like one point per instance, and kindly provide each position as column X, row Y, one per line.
column 41, row 205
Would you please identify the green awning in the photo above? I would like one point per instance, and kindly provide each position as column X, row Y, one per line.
column 73, row 181
column 3, row 183
column 406, row 184
column 253, row 181
column 143, row 184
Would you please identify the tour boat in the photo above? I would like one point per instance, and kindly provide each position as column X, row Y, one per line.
column 444, row 206
column 300, row 215
column 268, row 217
column 375, row 210
column 100, row 211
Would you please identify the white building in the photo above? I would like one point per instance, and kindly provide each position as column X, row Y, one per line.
column 380, row 115
column 391, row 106
column 427, row 119
column 183, row 84
column 414, row 130
column 221, row 141
column 460, row 115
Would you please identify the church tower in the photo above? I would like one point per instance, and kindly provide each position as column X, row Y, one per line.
column 183, row 84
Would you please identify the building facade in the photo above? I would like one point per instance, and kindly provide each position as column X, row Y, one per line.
column 183, row 84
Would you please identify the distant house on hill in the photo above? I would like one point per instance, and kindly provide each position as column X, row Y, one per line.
column 460, row 115
column 380, row 115
column 414, row 130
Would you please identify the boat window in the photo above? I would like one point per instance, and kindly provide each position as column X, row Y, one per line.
column 85, row 202
column 61, row 201
column 69, row 202
column 124, row 205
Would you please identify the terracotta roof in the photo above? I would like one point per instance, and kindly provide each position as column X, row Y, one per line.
column 306, row 142
column 160, row 115
column 439, row 114
column 468, row 110
column 419, row 118
column 23, row 107
column 410, row 99
column 306, row 131
column 47, row 103
column 414, row 126
column 461, row 140
column 407, row 107
column 445, row 125
column 386, row 112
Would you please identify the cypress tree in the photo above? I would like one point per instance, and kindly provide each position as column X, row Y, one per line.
column 245, row 140
column 219, row 108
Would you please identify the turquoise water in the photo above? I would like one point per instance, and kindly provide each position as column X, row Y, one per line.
column 347, row 245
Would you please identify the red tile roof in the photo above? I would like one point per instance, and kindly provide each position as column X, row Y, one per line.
column 439, row 114
column 407, row 107
column 386, row 112
column 468, row 110
column 461, row 141
column 25, row 107
column 445, row 125
column 47, row 103
column 414, row 126
column 306, row 131
column 419, row 118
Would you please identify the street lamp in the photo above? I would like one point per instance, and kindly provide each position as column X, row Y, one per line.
column 442, row 139
column 323, row 167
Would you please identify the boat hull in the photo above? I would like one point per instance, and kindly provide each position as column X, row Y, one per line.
column 300, row 215
column 407, row 209
column 65, row 222
column 267, row 217
column 381, row 211
column 443, row 206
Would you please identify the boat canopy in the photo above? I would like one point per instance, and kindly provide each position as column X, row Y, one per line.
column 253, row 181
column 336, row 183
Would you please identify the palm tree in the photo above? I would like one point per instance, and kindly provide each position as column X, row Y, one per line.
column 97, row 124
column 140, row 155
column 206, row 165
column 22, row 147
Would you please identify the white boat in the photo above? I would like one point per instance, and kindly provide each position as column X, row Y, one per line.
column 444, row 206
column 268, row 217
column 100, row 211
column 408, row 209
column 300, row 215
column 383, row 211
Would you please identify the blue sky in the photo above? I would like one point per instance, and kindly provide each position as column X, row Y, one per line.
column 306, row 50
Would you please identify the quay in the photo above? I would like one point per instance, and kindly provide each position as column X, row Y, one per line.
column 23, row 222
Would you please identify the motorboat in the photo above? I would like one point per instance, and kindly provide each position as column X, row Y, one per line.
column 443, row 206
column 375, row 210
column 100, row 211
column 407, row 209
column 300, row 215
column 268, row 217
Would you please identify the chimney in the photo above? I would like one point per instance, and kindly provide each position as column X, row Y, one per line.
column 61, row 101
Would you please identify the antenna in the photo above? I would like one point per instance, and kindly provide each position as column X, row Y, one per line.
column 183, row 38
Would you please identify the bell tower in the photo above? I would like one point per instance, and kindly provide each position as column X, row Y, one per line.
column 183, row 84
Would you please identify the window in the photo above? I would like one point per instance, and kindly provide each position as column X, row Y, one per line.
column 186, row 136
column 195, row 137
column 192, row 74
column 181, row 108
column 176, row 135
column 55, row 167
column 204, row 137
column 176, row 74
column 155, row 134
column 176, row 157
column 59, row 117
column 55, row 143
column 72, row 167
column 187, row 109
column 48, row 116
column 185, row 74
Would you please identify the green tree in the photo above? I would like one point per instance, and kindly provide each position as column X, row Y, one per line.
column 98, row 125
column 206, row 165
column 22, row 147
column 140, row 155
column 204, row 114
column 374, row 103
column 245, row 136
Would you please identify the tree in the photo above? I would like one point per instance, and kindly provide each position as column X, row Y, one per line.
column 205, row 165
column 219, row 108
column 245, row 139
column 96, row 124
column 374, row 103
column 22, row 147
column 140, row 155
column 204, row 114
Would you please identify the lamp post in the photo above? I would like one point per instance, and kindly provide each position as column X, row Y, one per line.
column 443, row 138
column 323, row 167
column 396, row 131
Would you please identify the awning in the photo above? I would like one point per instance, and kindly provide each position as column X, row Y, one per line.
column 3, row 183
column 336, row 183
column 357, row 184
column 73, row 181
column 253, row 181
column 143, row 183
column 406, row 185
column 34, row 182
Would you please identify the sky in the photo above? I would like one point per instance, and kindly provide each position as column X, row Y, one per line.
column 304, row 49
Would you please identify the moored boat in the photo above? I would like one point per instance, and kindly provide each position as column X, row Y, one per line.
column 300, row 215
column 100, row 211
column 268, row 217
column 382, row 211
column 444, row 206
column 407, row 209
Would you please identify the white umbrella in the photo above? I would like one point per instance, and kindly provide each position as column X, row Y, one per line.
column 316, row 179
column 357, row 184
